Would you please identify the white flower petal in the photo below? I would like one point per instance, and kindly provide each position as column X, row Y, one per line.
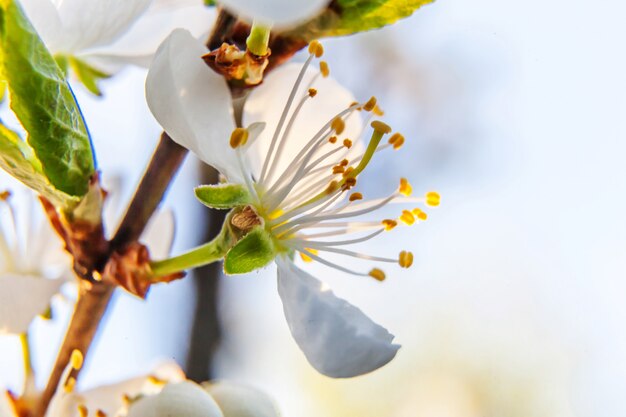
column 111, row 398
column 192, row 103
column 241, row 401
column 92, row 23
column 22, row 298
column 44, row 16
column 6, row 406
column 184, row 399
column 159, row 234
column 280, row 12
column 266, row 103
column 335, row 336
column 138, row 45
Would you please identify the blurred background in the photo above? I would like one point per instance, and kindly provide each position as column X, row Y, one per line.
column 514, row 112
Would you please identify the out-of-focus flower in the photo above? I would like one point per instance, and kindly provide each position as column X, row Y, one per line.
column 95, row 37
column 281, row 12
column 34, row 264
column 221, row 399
column 294, row 183
column 164, row 393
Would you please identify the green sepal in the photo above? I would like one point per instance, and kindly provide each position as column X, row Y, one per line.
column 346, row 17
column 209, row 2
column 18, row 159
column 44, row 103
column 223, row 196
column 255, row 250
column 87, row 75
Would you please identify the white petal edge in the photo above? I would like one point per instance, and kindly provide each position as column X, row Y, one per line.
column 192, row 103
column 266, row 103
column 335, row 336
column 22, row 298
column 45, row 18
column 138, row 45
column 91, row 23
column 237, row 400
column 281, row 12
column 183, row 399
column 112, row 398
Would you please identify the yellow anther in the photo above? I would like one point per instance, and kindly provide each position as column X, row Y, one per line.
column 355, row 196
column 349, row 183
column 155, row 380
column 338, row 169
column 101, row 413
column 324, row 69
column 332, row 187
column 378, row 111
column 344, row 162
column 405, row 188
column 312, row 92
column 347, row 143
column 377, row 274
column 332, row 139
column 406, row 259
column 82, row 410
column 5, row 195
column 396, row 137
column 433, row 199
column 380, row 126
column 338, row 125
column 420, row 214
column 239, row 137
column 371, row 103
column 307, row 258
column 389, row 224
column 316, row 49
column 407, row 217
column 70, row 384
column 354, row 103
column 348, row 172
column 76, row 360
column 398, row 143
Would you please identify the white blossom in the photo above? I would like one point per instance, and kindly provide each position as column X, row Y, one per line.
column 298, row 172
column 33, row 262
column 109, row 33
column 280, row 12
column 166, row 392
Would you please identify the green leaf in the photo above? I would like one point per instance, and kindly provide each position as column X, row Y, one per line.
column 253, row 251
column 209, row 2
column 3, row 89
column 17, row 158
column 44, row 103
column 223, row 196
column 345, row 17
column 87, row 75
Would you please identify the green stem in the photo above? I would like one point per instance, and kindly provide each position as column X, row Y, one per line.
column 210, row 252
column 259, row 39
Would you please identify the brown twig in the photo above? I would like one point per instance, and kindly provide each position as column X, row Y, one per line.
column 94, row 298
column 92, row 303
column 164, row 164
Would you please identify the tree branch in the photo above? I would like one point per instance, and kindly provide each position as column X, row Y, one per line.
column 94, row 299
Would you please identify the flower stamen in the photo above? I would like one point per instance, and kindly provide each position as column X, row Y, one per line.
column 405, row 259
column 377, row 274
